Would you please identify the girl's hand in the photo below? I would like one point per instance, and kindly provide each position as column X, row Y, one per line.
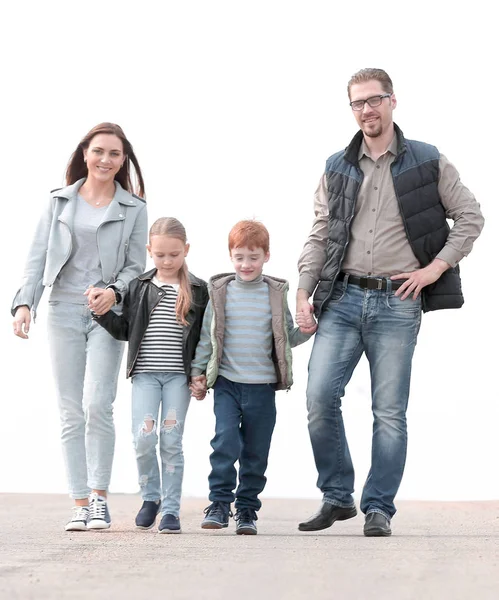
column 198, row 387
column 22, row 321
column 100, row 301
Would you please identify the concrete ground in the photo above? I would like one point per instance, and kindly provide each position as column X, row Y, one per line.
column 438, row 551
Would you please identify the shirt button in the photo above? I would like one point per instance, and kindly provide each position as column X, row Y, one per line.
column 375, row 188
column 374, row 210
column 370, row 230
column 369, row 252
column 370, row 271
column 120, row 215
column 378, row 167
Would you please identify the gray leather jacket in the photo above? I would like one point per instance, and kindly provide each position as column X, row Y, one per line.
column 121, row 241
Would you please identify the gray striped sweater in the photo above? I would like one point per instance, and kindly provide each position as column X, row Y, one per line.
column 248, row 339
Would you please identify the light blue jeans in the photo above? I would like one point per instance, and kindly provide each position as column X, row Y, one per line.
column 385, row 328
column 86, row 362
column 150, row 392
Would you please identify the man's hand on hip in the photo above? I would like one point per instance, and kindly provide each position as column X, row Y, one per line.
column 419, row 279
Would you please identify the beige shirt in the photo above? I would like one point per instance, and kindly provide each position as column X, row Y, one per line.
column 378, row 243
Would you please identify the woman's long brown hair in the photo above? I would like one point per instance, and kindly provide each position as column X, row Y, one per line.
column 173, row 228
column 77, row 168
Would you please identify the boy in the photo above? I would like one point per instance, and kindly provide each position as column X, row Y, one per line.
column 245, row 354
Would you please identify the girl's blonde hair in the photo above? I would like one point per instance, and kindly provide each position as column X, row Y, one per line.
column 173, row 228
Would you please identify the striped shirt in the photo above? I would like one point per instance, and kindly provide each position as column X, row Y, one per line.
column 161, row 347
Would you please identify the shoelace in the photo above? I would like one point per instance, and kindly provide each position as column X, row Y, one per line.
column 98, row 509
column 218, row 508
column 80, row 513
column 245, row 515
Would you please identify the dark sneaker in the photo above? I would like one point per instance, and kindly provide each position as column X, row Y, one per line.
column 146, row 517
column 79, row 519
column 99, row 517
column 217, row 516
column 377, row 525
column 169, row 524
column 326, row 516
column 245, row 521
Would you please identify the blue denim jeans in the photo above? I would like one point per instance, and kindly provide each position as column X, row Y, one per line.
column 86, row 362
column 150, row 392
column 385, row 328
column 245, row 416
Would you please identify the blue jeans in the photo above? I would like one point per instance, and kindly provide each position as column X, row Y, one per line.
column 150, row 391
column 245, row 416
column 385, row 328
column 86, row 362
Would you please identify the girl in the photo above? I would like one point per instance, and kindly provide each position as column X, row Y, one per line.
column 88, row 246
column 161, row 320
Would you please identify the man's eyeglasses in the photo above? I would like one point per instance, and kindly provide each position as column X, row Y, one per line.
column 373, row 101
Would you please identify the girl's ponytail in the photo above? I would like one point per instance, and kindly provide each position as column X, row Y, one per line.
column 184, row 297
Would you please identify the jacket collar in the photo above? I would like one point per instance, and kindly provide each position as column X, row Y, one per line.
column 352, row 150
column 120, row 195
column 149, row 275
column 217, row 281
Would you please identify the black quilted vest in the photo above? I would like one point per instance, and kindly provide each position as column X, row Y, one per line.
column 415, row 178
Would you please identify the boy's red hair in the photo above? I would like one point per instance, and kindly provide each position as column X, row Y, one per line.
column 249, row 234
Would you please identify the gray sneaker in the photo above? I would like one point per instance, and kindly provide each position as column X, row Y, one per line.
column 99, row 517
column 217, row 516
column 245, row 521
column 79, row 519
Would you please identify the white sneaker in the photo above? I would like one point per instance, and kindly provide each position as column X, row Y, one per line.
column 99, row 517
column 78, row 520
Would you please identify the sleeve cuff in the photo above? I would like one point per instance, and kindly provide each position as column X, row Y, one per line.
column 195, row 372
column 306, row 282
column 450, row 256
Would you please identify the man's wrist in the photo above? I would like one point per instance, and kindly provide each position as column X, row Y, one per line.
column 439, row 266
column 302, row 295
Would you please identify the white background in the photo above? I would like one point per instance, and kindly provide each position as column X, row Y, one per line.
column 233, row 108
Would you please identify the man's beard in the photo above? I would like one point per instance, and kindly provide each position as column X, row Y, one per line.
column 374, row 133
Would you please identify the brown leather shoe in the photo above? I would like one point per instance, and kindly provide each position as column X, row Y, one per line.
column 326, row 516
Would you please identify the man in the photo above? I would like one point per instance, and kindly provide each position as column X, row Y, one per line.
column 380, row 252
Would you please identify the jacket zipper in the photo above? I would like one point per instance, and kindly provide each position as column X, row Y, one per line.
column 326, row 299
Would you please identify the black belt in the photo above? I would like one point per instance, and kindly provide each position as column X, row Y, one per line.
column 370, row 283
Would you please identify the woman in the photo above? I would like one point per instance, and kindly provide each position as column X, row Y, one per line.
column 89, row 244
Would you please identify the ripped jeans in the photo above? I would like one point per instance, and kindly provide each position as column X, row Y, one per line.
column 150, row 391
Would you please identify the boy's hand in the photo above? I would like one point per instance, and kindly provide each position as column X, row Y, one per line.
column 305, row 318
column 100, row 300
column 305, row 313
column 198, row 387
column 306, row 323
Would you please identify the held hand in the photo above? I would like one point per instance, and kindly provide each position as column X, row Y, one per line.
column 304, row 316
column 100, row 300
column 419, row 279
column 22, row 321
column 198, row 387
column 306, row 323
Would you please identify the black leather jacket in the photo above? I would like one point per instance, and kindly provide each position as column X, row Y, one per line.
column 141, row 299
